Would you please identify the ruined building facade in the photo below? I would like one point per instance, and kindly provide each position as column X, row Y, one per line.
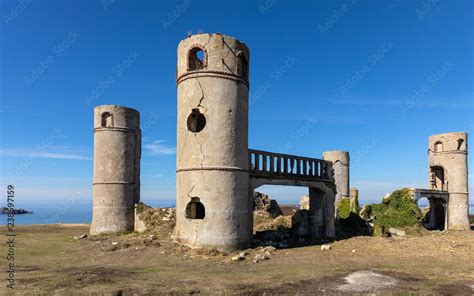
column 117, row 153
column 217, row 173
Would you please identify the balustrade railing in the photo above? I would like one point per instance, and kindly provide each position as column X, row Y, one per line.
column 276, row 165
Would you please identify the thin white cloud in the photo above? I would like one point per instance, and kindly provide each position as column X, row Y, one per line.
column 52, row 153
column 158, row 148
column 425, row 102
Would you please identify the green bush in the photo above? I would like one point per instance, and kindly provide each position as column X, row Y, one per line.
column 397, row 210
column 355, row 205
column 344, row 208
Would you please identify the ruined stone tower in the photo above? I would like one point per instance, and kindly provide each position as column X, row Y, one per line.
column 212, row 176
column 448, row 171
column 117, row 152
column 340, row 160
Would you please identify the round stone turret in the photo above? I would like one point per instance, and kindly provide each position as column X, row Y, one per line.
column 117, row 152
column 340, row 160
column 212, row 202
column 448, row 171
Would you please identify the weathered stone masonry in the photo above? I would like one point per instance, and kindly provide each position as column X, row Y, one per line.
column 117, row 153
column 448, row 182
column 216, row 172
column 447, row 161
column 212, row 204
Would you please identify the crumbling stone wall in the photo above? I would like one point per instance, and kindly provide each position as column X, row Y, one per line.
column 264, row 203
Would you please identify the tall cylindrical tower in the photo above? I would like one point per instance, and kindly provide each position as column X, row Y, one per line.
column 117, row 152
column 448, row 171
column 212, row 177
column 340, row 160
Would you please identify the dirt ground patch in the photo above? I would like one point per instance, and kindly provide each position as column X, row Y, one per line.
column 363, row 281
column 366, row 281
column 461, row 288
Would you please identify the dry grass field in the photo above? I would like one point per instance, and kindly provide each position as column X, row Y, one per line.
column 49, row 260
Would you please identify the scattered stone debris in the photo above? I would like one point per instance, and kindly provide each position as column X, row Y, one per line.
column 363, row 281
column 240, row 256
column 396, row 232
column 154, row 219
column 269, row 249
column 326, row 247
column 261, row 257
column 264, row 203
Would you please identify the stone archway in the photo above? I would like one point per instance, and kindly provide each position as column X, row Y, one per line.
column 321, row 204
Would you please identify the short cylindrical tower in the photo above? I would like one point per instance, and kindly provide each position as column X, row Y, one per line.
column 354, row 193
column 117, row 152
column 340, row 160
column 448, row 171
column 212, row 203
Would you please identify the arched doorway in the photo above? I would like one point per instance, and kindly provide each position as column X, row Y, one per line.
column 439, row 215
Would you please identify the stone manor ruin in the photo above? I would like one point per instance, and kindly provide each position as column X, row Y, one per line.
column 217, row 173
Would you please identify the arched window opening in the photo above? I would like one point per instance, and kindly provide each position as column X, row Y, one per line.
column 460, row 144
column 438, row 147
column 195, row 209
column 243, row 68
column 196, row 59
column 107, row 119
column 437, row 178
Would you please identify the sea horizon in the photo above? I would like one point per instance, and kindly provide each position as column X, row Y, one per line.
column 81, row 212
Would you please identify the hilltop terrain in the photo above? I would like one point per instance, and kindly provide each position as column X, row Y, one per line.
column 54, row 259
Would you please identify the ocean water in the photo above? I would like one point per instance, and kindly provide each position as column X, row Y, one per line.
column 60, row 212
column 52, row 213
column 43, row 215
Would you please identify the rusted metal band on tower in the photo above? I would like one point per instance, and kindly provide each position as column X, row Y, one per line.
column 211, row 73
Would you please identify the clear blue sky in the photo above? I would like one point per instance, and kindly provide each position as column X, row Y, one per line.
column 375, row 78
